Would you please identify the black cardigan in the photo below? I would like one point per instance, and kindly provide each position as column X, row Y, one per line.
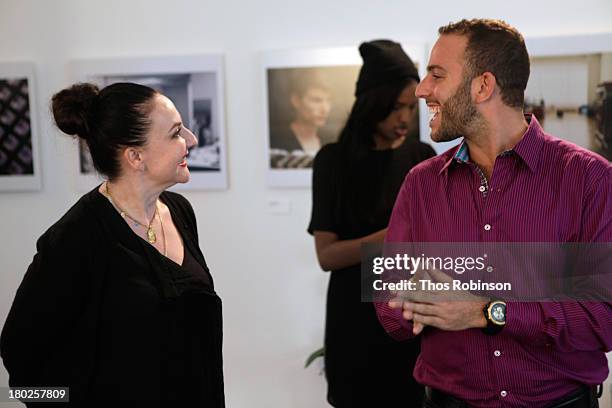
column 101, row 312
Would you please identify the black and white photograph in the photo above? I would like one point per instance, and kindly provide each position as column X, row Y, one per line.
column 205, row 156
column 194, row 85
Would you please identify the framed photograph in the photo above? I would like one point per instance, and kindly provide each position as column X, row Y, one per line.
column 570, row 89
column 195, row 86
column 19, row 155
column 308, row 97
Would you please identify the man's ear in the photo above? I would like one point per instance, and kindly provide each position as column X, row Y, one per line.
column 133, row 158
column 483, row 87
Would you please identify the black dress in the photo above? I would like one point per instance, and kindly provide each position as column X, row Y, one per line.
column 364, row 366
column 103, row 312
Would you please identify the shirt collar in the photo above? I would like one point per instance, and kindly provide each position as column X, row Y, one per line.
column 450, row 158
column 528, row 148
column 530, row 145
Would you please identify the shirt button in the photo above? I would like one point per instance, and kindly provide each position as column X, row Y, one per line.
column 497, row 353
column 487, row 227
column 503, row 393
column 489, row 268
column 482, row 189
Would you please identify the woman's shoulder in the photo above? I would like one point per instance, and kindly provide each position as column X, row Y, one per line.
column 182, row 212
column 418, row 145
column 329, row 149
column 76, row 227
column 175, row 199
column 178, row 205
column 327, row 154
column 413, row 152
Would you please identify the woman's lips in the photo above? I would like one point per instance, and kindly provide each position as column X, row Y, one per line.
column 401, row 132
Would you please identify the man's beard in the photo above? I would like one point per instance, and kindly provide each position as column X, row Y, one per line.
column 459, row 114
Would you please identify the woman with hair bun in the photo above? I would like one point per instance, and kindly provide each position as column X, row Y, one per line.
column 118, row 303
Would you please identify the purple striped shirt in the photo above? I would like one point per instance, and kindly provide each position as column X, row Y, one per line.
column 543, row 190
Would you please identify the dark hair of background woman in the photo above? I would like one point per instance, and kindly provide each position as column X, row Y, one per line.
column 357, row 137
column 109, row 119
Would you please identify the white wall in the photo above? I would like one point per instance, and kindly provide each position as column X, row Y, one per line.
column 264, row 265
column 561, row 82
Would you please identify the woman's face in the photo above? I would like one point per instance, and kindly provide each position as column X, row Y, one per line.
column 403, row 118
column 312, row 107
column 165, row 153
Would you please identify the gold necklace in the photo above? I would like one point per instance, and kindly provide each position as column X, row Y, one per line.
column 161, row 224
column 151, row 237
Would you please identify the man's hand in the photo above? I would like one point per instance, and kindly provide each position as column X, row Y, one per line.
column 397, row 303
column 446, row 315
column 433, row 308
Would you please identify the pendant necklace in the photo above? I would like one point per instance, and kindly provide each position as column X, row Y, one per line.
column 151, row 237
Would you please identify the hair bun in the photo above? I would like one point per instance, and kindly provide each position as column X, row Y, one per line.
column 72, row 108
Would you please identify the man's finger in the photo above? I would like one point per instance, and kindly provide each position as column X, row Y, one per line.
column 422, row 308
column 428, row 320
column 439, row 276
column 396, row 303
column 406, row 295
column 422, row 296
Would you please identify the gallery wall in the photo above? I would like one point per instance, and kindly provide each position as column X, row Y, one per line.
column 254, row 237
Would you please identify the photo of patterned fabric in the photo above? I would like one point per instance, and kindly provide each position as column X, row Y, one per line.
column 15, row 130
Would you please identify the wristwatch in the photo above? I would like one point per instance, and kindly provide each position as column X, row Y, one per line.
column 495, row 315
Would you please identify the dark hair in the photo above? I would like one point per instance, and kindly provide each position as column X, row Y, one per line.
column 357, row 138
column 107, row 120
column 369, row 109
column 495, row 46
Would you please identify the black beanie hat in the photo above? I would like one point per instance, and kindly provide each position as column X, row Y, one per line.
column 384, row 61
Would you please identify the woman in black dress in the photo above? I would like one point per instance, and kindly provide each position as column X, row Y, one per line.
column 355, row 183
column 118, row 303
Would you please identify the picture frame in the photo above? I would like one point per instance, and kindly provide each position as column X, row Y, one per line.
column 565, row 85
column 330, row 75
column 19, row 131
column 195, row 83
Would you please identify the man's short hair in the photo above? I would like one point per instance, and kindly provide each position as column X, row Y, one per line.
column 495, row 46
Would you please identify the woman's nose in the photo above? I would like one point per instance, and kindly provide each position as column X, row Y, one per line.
column 190, row 138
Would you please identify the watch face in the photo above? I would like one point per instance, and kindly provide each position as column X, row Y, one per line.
column 498, row 312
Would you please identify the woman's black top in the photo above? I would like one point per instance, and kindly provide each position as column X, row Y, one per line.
column 101, row 311
column 360, row 359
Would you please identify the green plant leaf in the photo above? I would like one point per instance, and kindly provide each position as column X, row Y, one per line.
column 319, row 353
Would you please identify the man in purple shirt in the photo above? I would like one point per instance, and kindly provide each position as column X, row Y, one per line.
column 508, row 181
